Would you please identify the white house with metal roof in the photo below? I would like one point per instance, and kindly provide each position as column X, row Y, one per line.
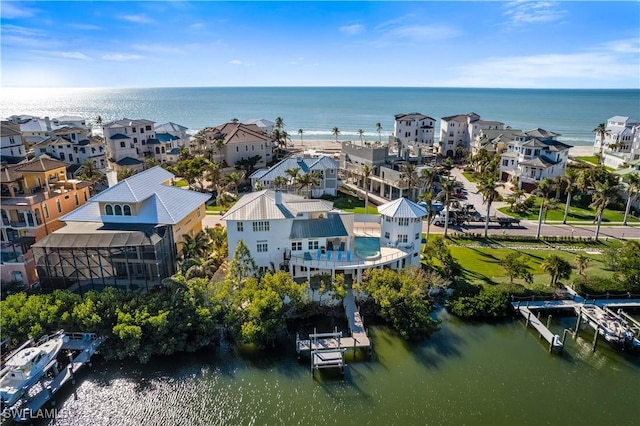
column 134, row 139
column 169, row 136
column 325, row 167
column 533, row 156
column 129, row 234
column 414, row 127
column 621, row 142
column 457, row 131
column 309, row 237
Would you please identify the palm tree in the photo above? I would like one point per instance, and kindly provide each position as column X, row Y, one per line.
column 447, row 186
column 601, row 131
column 280, row 138
column 569, row 179
column 91, row 174
column 220, row 146
column 426, row 178
column 545, row 187
column 557, row 267
column 489, row 191
column 196, row 246
column 410, row 178
column 604, row 194
column 308, row 180
column 360, row 132
column 335, row 131
column 366, row 174
column 293, row 175
column 233, row 180
column 279, row 182
column 279, row 123
column 379, row 130
column 582, row 262
column 300, row 132
column 632, row 190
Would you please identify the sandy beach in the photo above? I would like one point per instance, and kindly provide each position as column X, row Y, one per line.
column 330, row 145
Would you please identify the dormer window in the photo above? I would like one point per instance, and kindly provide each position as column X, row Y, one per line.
column 127, row 210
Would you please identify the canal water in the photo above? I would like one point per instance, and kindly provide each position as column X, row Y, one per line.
column 465, row 374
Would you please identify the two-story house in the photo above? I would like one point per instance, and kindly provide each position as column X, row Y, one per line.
column 326, row 168
column 239, row 142
column 309, row 237
column 127, row 236
column 533, row 156
column 35, row 195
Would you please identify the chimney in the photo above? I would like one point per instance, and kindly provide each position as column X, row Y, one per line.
column 112, row 177
column 299, row 158
column 278, row 197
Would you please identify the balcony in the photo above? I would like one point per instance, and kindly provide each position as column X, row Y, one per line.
column 387, row 255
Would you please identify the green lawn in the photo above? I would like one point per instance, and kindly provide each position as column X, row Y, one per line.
column 575, row 214
column 469, row 176
column 483, row 265
column 181, row 183
column 353, row 205
column 589, row 159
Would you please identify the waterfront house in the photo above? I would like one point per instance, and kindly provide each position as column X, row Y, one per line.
column 621, row 142
column 129, row 142
column 533, row 156
column 170, row 137
column 387, row 180
column 494, row 140
column 309, row 237
column 239, row 142
column 73, row 146
column 35, row 195
column 457, row 132
column 12, row 147
column 325, row 167
column 129, row 235
column 415, row 128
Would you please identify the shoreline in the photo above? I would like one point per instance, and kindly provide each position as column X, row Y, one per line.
column 333, row 146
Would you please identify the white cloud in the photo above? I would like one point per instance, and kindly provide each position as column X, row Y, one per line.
column 551, row 70
column 239, row 62
column 352, row 29
column 15, row 35
column 86, row 27
column 159, row 48
column 631, row 45
column 137, row 19
column 14, row 10
column 73, row 55
column 196, row 26
column 423, row 32
column 524, row 12
column 120, row 57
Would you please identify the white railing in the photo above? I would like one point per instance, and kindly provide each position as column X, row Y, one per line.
column 355, row 261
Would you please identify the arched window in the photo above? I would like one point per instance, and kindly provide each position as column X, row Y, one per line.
column 118, row 210
column 108, row 209
column 127, row 210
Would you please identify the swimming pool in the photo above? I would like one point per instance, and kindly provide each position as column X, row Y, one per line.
column 367, row 247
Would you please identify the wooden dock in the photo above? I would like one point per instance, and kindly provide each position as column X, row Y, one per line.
column 84, row 346
column 608, row 324
column 327, row 349
column 555, row 343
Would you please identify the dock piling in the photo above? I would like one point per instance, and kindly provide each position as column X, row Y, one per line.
column 595, row 339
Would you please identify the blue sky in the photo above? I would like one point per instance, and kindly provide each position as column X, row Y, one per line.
column 439, row 44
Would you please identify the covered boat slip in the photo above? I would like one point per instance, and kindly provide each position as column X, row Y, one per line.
column 131, row 256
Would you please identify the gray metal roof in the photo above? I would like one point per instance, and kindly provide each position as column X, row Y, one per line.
column 159, row 203
column 331, row 226
column 96, row 235
column 262, row 205
column 305, row 164
column 402, row 208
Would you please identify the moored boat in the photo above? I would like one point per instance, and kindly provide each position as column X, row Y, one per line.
column 26, row 366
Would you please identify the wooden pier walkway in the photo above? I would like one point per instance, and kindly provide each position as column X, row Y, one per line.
column 84, row 343
column 327, row 349
column 555, row 343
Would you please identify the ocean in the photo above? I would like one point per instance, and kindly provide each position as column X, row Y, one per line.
column 317, row 110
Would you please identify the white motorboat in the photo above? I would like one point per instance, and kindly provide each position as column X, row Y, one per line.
column 25, row 367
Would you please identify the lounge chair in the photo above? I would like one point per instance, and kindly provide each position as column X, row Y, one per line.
column 348, row 256
column 307, row 255
column 329, row 255
column 339, row 256
column 319, row 254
